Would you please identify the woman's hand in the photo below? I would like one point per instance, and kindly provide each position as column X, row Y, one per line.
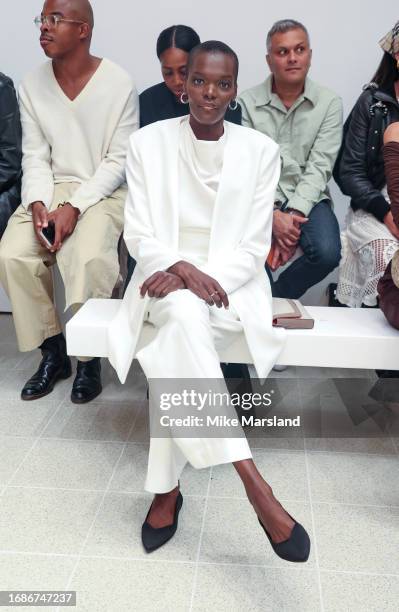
column 160, row 284
column 204, row 286
column 391, row 225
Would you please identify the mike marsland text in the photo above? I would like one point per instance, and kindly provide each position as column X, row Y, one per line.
column 224, row 421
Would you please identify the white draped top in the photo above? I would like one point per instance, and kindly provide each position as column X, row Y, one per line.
column 200, row 167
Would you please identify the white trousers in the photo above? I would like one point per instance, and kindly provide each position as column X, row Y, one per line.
column 189, row 334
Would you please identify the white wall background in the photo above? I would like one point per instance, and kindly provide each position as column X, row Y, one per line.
column 344, row 36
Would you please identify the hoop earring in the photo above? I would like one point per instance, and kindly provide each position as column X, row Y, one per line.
column 397, row 63
column 233, row 108
column 182, row 100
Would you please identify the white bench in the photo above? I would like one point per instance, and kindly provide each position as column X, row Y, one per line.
column 341, row 338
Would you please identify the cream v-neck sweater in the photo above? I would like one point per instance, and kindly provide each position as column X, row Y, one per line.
column 82, row 140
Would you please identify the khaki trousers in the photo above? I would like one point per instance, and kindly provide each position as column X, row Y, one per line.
column 87, row 260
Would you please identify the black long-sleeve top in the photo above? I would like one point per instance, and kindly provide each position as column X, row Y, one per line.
column 158, row 103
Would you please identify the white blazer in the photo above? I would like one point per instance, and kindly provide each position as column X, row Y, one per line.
column 239, row 241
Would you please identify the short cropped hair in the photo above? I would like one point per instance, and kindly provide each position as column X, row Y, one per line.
column 282, row 26
column 177, row 36
column 213, row 46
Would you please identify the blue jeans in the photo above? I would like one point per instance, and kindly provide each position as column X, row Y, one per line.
column 321, row 246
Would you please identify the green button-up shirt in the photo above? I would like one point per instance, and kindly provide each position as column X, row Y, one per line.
column 309, row 135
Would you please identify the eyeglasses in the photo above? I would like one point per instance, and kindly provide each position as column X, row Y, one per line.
column 52, row 21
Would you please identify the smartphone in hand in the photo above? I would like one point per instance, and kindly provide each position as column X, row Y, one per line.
column 48, row 234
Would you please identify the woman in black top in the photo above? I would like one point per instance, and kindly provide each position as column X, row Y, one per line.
column 371, row 236
column 163, row 101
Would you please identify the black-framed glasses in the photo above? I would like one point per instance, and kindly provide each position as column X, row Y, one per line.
column 52, row 21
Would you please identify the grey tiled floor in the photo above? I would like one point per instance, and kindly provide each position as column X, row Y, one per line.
column 72, row 503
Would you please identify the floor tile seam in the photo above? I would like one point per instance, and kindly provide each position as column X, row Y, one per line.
column 35, row 443
column 143, row 493
column 6, row 370
column 30, row 553
column 359, row 573
column 256, row 448
column 20, row 464
column 55, row 438
column 195, row 576
column 83, row 441
column 288, row 567
column 23, row 355
column 271, row 449
column 56, row 411
column 96, row 514
column 27, row 553
column 307, row 469
column 117, row 401
column 282, row 451
column 103, row 490
column 199, row 496
column 244, row 498
column 146, row 559
column 91, row 440
column 17, row 367
column 316, row 552
column 43, row 488
column 351, row 453
column 353, row 505
column 16, row 437
column 253, row 448
column 7, row 364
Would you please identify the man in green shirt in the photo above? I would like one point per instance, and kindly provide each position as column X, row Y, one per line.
column 305, row 119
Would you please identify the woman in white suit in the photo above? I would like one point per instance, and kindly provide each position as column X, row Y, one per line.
column 198, row 222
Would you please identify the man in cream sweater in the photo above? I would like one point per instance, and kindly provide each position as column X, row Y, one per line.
column 77, row 112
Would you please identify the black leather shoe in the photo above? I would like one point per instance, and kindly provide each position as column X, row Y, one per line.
column 296, row 548
column 87, row 383
column 55, row 365
column 153, row 538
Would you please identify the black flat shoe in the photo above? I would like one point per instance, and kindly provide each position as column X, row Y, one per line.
column 87, row 383
column 296, row 548
column 55, row 365
column 153, row 538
